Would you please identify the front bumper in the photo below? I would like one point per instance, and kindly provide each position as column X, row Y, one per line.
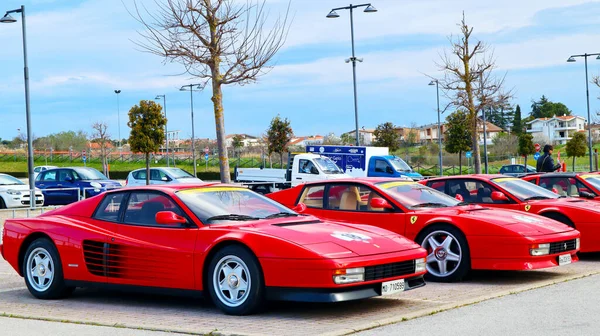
column 17, row 201
column 335, row 294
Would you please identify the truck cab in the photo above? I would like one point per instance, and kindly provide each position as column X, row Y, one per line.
column 391, row 166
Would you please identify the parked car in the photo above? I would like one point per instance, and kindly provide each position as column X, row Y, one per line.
column 516, row 170
column 67, row 185
column 14, row 193
column 236, row 246
column 498, row 191
column 39, row 169
column 458, row 237
column 586, row 185
column 160, row 175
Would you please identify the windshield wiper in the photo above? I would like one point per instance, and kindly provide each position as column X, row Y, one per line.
column 233, row 217
column 533, row 198
column 281, row 214
column 463, row 203
column 429, row 205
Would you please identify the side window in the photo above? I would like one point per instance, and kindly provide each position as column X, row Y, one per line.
column 142, row 208
column 37, row 169
column 49, row 176
column 140, row 174
column 108, row 210
column 158, row 175
column 473, row 191
column 307, row 167
column 438, row 185
column 564, row 186
column 518, row 169
column 382, row 166
column 350, row 197
column 313, row 196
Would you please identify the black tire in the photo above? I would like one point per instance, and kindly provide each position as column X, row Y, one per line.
column 2, row 204
column 559, row 218
column 253, row 299
column 55, row 288
column 458, row 246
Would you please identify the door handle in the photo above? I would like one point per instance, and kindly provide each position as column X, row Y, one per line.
column 59, row 185
column 298, row 178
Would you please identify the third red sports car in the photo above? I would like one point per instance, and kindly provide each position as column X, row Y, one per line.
column 457, row 237
column 499, row 191
column 236, row 246
column 585, row 185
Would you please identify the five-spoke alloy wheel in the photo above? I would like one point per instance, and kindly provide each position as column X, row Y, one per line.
column 42, row 271
column 235, row 281
column 448, row 256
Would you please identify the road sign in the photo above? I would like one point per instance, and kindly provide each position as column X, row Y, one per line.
column 206, row 156
column 206, row 150
column 83, row 152
column 537, row 147
column 536, row 155
column 468, row 154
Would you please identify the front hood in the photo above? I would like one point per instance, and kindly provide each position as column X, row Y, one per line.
column 573, row 202
column 331, row 239
column 517, row 221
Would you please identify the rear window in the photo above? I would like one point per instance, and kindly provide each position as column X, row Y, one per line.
column 139, row 175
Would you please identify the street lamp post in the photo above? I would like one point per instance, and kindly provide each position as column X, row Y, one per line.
column 439, row 131
column 9, row 19
column 485, row 152
column 332, row 15
column 119, row 124
column 166, row 134
column 587, row 93
column 190, row 87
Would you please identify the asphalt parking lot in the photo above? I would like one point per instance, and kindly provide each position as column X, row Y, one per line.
column 187, row 315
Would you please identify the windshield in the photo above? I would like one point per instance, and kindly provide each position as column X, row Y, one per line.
column 9, row 180
column 328, row 166
column 227, row 204
column 524, row 190
column 178, row 173
column 400, row 165
column 413, row 195
column 594, row 180
column 90, row 174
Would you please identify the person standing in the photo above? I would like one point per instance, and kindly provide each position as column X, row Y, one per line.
column 545, row 163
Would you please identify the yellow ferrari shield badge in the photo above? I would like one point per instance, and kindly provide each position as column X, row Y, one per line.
column 413, row 219
column 527, row 207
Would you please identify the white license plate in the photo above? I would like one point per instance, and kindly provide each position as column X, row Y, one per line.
column 564, row 259
column 392, row 287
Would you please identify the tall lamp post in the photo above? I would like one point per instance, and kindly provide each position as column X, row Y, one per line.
column 587, row 92
column 9, row 19
column 485, row 152
column 332, row 15
column 439, row 131
column 166, row 134
column 190, row 87
column 119, row 123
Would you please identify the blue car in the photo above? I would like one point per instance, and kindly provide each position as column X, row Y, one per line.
column 62, row 186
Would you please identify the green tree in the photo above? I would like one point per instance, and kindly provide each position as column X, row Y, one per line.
column 544, row 108
column 386, row 136
column 237, row 142
column 577, row 146
column 517, row 125
column 279, row 135
column 526, row 146
column 147, row 124
column 458, row 136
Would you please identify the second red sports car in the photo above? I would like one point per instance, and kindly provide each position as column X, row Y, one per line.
column 234, row 245
column 457, row 237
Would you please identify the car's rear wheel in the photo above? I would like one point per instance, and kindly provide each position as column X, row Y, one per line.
column 42, row 271
column 235, row 281
column 2, row 204
column 448, row 258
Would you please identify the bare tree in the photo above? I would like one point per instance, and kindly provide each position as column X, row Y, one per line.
column 217, row 41
column 102, row 138
column 469, row 80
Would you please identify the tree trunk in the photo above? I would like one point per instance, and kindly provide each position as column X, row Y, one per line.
column 147, row 168
column 525, row 164
column 476, row 152
column 217, row 99
column 281, row 160
column 573, row 164
column 459, row 162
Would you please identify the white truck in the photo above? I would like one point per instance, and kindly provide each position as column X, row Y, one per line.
column 301, row 168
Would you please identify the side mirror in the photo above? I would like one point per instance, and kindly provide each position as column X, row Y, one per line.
column 299, row 208
column 586, row 194
column 459, row 197
column 169, row 218
column 165, row 179
column 389, row 170
column 380, row 203
column 69, row 179
column 498, row 196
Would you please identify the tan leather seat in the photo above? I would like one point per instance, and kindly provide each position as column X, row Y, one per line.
column 573, row 191
column 560, row 190
column 348, row 201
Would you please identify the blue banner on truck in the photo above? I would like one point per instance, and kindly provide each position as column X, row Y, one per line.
column 349, row 158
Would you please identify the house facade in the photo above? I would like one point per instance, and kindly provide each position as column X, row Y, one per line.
column 429, row 133
column 557, row 130
column 366, row 136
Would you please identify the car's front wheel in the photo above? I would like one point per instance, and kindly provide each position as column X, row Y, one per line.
column 42, row 271
column 235, row 281
column 448, row 258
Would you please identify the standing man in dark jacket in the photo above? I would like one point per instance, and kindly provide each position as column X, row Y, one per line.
column 545, row 164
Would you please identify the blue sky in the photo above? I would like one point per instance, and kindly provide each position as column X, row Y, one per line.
column 80, row 51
